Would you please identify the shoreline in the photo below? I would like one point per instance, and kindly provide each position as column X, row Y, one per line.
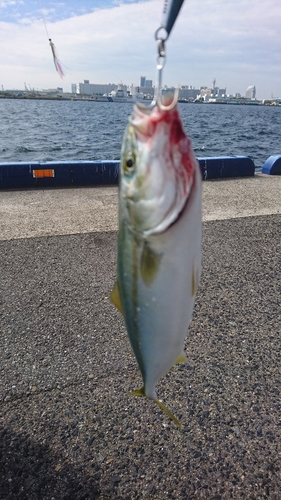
column 181, row 101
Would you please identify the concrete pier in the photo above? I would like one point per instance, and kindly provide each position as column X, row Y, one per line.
column 49, row 212
column 67, row 427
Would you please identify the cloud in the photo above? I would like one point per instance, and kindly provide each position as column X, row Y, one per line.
column 237, row 42
column 7, row 3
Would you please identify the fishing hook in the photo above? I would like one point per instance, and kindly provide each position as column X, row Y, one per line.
column 170, row 13
column 160, row 63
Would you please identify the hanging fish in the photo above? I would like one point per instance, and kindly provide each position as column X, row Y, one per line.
column 159, row 241
column 56, row 60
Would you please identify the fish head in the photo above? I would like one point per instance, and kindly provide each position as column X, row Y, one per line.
column 157, row 169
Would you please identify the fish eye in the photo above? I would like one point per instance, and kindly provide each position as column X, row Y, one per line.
column 129, row 163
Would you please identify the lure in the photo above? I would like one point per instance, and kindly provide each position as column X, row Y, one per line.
column 56, row 60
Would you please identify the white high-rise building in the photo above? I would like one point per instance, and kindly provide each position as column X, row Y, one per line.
column 251, row 92
column 88, row 88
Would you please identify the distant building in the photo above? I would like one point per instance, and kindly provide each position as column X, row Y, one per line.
column 58, row 90
column 143, row 82
column 145, row 87
column 251, row 92
column 205, row 93
column 145, row 90
column 188, row 92
column 211, row 94
column 168, row 90
column 88, row 88
column 217, row 92
column 140, row 92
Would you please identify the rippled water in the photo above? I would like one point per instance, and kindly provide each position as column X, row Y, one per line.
column 72, row 130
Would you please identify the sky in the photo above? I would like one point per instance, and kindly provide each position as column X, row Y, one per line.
column 236, row 42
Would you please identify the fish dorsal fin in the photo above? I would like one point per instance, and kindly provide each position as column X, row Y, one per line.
column 150, row 262
column 115, row 297
column 181, row 359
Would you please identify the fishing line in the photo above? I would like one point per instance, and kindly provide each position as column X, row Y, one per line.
column 44, row 19
column 57, row 63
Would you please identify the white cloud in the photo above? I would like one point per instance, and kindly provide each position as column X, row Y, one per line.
column 237, row 42
column 7, row 3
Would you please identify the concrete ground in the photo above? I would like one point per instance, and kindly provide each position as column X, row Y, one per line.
column 68, row 430
column 49, row 212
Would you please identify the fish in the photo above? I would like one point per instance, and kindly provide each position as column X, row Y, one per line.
column 159, row 241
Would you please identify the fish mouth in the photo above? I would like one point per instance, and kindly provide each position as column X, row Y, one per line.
column 164, row 103
column 143, row 108
column 144, row 118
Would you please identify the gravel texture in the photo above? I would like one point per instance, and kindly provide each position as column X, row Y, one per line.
column 68, row 430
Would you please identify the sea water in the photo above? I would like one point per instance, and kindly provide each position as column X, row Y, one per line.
column 35, row 130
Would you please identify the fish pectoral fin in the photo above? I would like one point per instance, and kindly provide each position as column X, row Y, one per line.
column 168, row 412
column 138, row 392
column 115, row 297
column 150, row 262
column 181, row 359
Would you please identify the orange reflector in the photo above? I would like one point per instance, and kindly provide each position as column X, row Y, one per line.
column 44, row 173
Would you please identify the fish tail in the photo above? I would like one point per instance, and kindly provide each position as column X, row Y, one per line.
column 138, row 392
column 141, row 392
column 169, row 413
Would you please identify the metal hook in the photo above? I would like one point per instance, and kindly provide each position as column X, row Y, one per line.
column 160, row 63
column 171, row 10
column 170, row 106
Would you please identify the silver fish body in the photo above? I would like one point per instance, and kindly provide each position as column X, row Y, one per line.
column 159, row 242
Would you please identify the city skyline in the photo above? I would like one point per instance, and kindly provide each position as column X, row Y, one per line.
column 144, row 85
column 235, row 42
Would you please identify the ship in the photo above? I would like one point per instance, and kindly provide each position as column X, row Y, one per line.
column 119, row 96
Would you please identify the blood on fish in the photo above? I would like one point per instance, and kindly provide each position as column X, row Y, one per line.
column 159, row 241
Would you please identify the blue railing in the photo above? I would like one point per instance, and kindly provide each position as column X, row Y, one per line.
column 86, row 173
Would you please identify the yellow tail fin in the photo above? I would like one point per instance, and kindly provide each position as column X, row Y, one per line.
column 140, row 392
column 168, row 412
